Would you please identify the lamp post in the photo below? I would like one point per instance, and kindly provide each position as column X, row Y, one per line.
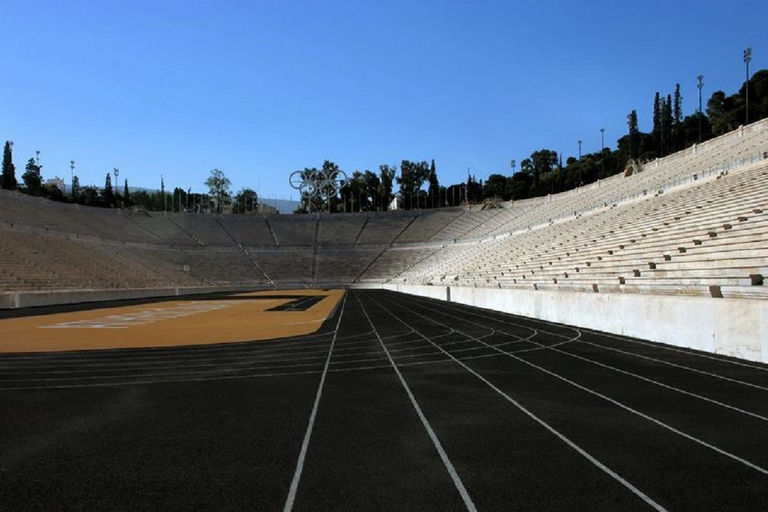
column 602, row 153
column 747, row 59
column 700, row 85
column 72, row 178
column 579, row 184
column 116, row 172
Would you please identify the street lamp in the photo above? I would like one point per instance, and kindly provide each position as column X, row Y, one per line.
column 72, row 178
column 700, row 85
column 602, row 153
column 747, row 59
column 579, row 184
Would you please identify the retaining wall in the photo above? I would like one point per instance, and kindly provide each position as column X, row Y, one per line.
column 732, row 327
column 16, row 300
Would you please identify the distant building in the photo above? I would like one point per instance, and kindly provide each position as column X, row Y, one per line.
column 57, row 182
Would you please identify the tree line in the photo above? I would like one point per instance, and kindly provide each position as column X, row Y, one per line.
column 218, row 199
column 418, row 187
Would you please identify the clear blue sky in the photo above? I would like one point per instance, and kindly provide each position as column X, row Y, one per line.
column 262, row 88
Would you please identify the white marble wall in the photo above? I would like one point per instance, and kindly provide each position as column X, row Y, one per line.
column 732, row 327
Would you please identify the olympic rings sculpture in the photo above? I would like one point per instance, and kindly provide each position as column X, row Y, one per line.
column 318, row 184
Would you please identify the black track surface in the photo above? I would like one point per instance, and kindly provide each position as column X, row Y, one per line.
column 398, row 403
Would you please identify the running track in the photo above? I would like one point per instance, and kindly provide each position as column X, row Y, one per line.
column 398, row 403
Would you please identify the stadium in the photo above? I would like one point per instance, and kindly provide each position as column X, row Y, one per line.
column 616, row 335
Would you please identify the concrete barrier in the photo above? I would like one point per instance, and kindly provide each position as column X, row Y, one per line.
column 16, row 300
column 731, row 327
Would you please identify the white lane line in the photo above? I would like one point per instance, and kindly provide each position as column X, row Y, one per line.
column 615, row 402
column 305, row 444
column 541, row 422
column 435, row 441
column 681, row 367
column 152, row 382
column 661, row 384
column 688, row 352
column 613, row 368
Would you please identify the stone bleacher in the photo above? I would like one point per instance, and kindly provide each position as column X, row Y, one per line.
column 693, row 223
column 710, row 239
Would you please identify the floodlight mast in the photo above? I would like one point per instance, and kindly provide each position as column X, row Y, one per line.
column 602, row 153
column 700, row 85
column 579, row 184
column 747, row 60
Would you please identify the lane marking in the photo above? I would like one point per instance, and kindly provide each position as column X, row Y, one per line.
column 616, row 369
column 618, row 404
column 143, row 317
column 435, row 441
column 310, row 426
column 538, row 420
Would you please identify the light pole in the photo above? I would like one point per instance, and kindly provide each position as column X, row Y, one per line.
column 116, row 171
column 700, row 85
column 747, row 59
column 37, row 158
column 72, row 178
column 602, row 153
column 579, row 184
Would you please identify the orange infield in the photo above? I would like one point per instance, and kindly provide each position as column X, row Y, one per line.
column 242, row 317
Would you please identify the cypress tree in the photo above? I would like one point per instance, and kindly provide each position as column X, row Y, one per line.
column 666, row 125
column 634, row 135
column 32, row 178
column 109, row 193
column 657, row 130
column 9, row 170
column 677, row 120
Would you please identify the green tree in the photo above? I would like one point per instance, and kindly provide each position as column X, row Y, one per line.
column 634, row 135
column 329, row 179
column 354, row 194
column 109, row 193
column 434, row 187
column 310, row 200
column 658, row 130
column 9, row 170
column 387, row 178
column 474, row 190
column 372, row 188
column 246, row 201
column 127, row 194
column 666, row 126
column 412, row 177
column 496, row 187
column 33, row 180
column 723, row 113
column 541, row 163
column 90, row 197
column 678, row 142
column 219, row 189
column 76, row 193
column 53, row 193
